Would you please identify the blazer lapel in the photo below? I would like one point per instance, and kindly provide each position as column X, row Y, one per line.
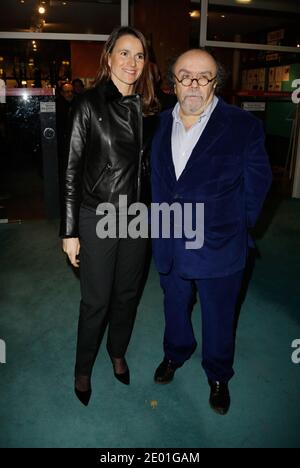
column 167, row 137
column 212, row 133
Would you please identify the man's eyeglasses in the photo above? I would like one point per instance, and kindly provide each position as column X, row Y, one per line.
column 202, row 81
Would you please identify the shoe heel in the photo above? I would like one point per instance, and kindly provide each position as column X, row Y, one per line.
column 124, row 377
column 84, row 397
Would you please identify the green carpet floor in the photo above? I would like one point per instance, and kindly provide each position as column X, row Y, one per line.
column 38, row 319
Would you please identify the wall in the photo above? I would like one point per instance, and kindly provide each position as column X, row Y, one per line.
column 166, row 25
column 85, row 58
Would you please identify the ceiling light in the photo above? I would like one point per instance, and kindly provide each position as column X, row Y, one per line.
column 33, row 42
column 22, row 1
column 298, row 45
column 42, row 10
column 243, row 1
column 223, row 16
column 195, row 14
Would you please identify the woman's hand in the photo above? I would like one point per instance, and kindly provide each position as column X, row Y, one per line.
column 71, row 246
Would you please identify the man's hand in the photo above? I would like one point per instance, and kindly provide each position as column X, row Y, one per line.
column 71, row 247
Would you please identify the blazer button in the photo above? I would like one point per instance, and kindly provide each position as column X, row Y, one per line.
column 100, row 119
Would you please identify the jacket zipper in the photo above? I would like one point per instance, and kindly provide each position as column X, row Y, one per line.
column 105, row 169
column 141, row 151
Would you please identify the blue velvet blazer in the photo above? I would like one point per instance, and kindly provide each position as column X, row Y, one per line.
column 229, row 172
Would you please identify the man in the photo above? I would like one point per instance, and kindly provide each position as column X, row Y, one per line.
column 64, row 104
column 206, row 151
column 78, row 87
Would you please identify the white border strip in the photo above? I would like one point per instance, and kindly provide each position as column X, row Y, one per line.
column 124, row 18
column 203, row 22
column 235, row 45
column 53, row 36
column 124, row 12
column 246, row 45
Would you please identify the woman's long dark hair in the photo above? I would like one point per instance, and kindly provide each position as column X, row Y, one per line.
column 144, row 85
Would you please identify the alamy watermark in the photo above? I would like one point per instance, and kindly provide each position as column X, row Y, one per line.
column 161, row 220
column 296, row 93
column 296, row 354
column 2, row 352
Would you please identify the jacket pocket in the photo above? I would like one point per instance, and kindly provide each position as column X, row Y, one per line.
column 105, row 169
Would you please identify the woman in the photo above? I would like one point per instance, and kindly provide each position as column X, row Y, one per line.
column 106, row 160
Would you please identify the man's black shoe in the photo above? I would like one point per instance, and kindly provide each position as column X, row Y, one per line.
column 165, row 371
column 219, row 399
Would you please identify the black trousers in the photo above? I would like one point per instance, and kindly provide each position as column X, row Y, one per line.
column 112, row 273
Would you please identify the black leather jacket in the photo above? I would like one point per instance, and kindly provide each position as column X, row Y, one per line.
column 107, row 153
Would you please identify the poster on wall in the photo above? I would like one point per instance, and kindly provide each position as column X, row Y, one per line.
column 279, row 74
column 245, row 80
column 274, row 37
column 277, row 86
column 271, row 86
column 286, row 73
column 261, row 79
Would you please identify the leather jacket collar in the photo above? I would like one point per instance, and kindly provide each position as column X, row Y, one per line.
column 111, row 92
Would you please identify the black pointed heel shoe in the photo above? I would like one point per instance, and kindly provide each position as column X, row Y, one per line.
column 84, row 397
column 84, row 382
column 123, row 377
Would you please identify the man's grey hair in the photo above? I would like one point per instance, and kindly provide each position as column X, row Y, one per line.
column 221, row 77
